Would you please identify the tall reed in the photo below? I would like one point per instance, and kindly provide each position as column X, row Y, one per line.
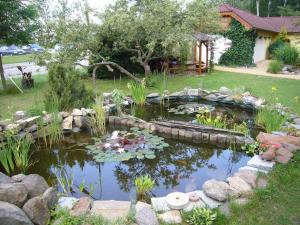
column 138, row 92
column 98, row 120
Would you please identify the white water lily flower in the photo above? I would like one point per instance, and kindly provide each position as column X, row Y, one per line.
column 115, row 135
column 120, row 150
column 107, row 145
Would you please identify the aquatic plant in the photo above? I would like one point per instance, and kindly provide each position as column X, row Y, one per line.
column 118, row 98
column 98, row 120
column 64, row 179
column 82, row 186
column 138, row 92
column 252, row 149
column 14, row 153
column 206, row 118
column 200, row 216
column 241, row 128
column 161, row 87
column 143, row 184
column 270, row 119
column 191, row 108
column 123, row 145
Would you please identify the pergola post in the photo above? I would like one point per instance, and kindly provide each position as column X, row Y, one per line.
column 200, row 58
column 207, row 46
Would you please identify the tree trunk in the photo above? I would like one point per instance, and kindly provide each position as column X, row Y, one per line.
column 2, row 74
column 257, row 7
column 147, row 69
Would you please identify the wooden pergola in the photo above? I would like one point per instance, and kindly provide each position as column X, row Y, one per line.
column 201, row 39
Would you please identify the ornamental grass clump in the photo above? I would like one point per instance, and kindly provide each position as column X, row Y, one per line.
column 98, row 120
column 275, row 66
column 143, row 184
column 138, row 92
column 270, row 119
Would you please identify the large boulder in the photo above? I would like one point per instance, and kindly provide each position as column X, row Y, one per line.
column 12, row 215
column 238, row 187
column 265, row 138
column 37, row 211
column 14, row 193
column 145, row 215
column 35, row 184
column 18, row 177
column 50, row 196
column 78, row 121
column 248, row 176
column 217, row 190
column 5, row 179
column 67, row 123
column 82, row 207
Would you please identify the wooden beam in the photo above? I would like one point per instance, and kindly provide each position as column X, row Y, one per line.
column 200, row 58
column 207, row 55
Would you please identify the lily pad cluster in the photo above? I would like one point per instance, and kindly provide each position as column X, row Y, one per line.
column 191, row 108
column 125, row 145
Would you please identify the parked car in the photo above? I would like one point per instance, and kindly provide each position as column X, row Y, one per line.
column 4, row 50
column 33, row 48
column 14, row 50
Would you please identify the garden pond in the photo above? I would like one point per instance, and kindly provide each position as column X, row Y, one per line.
column 178, row 166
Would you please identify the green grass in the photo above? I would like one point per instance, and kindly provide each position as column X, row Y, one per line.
column 17, row 59
column 287, row 89
column 278, row 204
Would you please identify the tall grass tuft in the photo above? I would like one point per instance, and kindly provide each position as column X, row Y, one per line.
column 138, row 92
column 143, row 184
column 14, row 153
column 98, row 120
column 270, row 119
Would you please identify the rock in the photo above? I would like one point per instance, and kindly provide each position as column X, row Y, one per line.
column 283, row 159
column 82, row 207
column 241, row 201
column 264, row 137
column 238, row 186
column 225, row 209
column 211, row 203
column 67, row 202
column 177, row 200
column 35, row 184
column 76, row 112
column 19, row 115
column 37, row 211
column 28, row 122
column 160, row 204
column 153, row 95
column 297, row 121
column 173, row 217
column 83, row 111
column 268, row 155
column 194, row 205
column 67, row 123
column 292, row 148
column 78, row 121
column 19, row 177
column 225, row 91
column 258, row 163
column 248, row 176
column 217, row 190
column 261, row 182
column 14, row 193
column 252, row 169
column 13, row 127
column 50, row 196
column 192, row 92
column 111, row 210
column 32, row 128
column 211, row 97
column 284, row 152
column 64, row 114
column 90, row 112
column 5, row 179
column 12, row 215
column 145, row 215
column 193, row 197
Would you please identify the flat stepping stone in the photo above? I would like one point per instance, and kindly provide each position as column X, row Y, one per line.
column 211, row 203
column 160, row 204
column 111, row 210
column 258, row 163
column 177, row 200
column 253, row 169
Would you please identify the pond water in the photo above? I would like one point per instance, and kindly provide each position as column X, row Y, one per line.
column 180, row 167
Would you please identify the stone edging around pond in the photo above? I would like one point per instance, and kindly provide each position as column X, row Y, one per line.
column 196, row 133
column 223, row 95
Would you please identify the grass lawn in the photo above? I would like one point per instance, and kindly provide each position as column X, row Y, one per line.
column 17, row 58
column 287, row 89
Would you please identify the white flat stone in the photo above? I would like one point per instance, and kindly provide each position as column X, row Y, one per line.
column 257, row 162
column 193, row 205
column 172, row 217
column 252, row 169
column 177, row 200
column 211, row 203
column 160, row 204
column 67, row 202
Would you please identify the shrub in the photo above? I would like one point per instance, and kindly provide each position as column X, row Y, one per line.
column 65, row 85
column 144, row 185
column 287, row 54
column 200, row 216
column 275, row 66
column 270, row 119
column 274, row 46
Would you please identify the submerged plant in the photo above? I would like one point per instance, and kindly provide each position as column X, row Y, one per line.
column 123, row 145
column 14, row 153
column 138, row 92
column 64, row 179
column 200, row 216
column 270, row 119
column 98, row 120
column 143, row 184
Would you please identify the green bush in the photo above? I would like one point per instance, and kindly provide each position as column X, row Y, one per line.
column 275, row 66
column 274, row 46
column 287, row 54
column 65, row 86
column 200, row 216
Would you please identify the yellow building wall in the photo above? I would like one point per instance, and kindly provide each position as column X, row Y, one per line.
column 294, row 40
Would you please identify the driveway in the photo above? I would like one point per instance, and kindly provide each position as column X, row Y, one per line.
column 10, row 70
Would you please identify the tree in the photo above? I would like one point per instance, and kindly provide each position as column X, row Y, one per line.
column 17, row 25
column 152, row 29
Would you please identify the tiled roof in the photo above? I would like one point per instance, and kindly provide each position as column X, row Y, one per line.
column 274, row 24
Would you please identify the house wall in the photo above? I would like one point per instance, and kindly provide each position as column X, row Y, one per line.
column 262, row 43
column 294, row 40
